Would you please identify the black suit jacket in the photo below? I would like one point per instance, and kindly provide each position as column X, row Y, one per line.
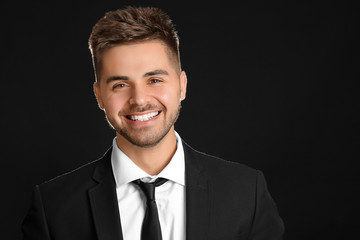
column 224, row 200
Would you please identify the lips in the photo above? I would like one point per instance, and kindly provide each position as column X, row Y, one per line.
column 142, row 117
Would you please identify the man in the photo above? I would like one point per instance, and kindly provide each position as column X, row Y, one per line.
column 150, row 184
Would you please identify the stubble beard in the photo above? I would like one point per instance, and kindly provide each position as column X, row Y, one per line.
column 142, row 137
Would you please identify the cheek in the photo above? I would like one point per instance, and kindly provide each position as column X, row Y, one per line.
column 168, row 96
column 114, row 103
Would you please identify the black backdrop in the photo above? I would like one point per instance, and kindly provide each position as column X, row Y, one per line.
column 272, row 84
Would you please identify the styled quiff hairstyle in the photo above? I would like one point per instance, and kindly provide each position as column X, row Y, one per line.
column 131, row 25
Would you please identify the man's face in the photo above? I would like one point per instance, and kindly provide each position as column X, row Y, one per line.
column 140, row 90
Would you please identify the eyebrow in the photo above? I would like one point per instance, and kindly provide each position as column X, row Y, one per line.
column 148, row 74
column 115, row 78
column 156, row 72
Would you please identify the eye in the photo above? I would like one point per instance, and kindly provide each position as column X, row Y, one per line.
column 119, row 85
column 155, row 80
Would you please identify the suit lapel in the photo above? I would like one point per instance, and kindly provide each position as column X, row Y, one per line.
column 197, row 197
column 103, row 200
column 104, row 205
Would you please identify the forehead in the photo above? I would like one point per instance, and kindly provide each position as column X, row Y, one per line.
column 125, row 53
column 134, row 58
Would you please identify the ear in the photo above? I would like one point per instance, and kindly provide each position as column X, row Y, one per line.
column 183, row 84
column 98, row 95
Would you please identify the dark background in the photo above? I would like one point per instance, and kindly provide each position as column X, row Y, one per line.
column 272, row 84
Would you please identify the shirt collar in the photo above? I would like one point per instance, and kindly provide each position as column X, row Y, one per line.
column 125, row 170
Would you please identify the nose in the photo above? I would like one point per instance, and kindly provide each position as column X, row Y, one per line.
column 138, row 96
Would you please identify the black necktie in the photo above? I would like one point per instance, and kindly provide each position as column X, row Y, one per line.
column 151, row 229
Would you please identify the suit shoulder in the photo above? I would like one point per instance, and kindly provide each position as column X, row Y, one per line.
column 78, row 176
column 215, row 164
column 222, row 163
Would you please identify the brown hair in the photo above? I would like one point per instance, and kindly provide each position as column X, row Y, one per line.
column 131, row 25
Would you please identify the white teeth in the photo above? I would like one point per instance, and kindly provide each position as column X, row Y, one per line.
column 143, row 117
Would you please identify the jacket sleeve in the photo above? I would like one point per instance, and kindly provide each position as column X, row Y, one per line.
column 267, row 224
column 34, row 225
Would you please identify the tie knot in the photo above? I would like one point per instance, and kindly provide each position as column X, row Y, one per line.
column 149, row 188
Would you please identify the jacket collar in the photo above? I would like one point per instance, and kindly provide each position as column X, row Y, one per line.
column 104, row 204
column 103, row 201
column 197, row 196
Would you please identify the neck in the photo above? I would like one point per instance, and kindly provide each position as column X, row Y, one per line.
column 150, row 159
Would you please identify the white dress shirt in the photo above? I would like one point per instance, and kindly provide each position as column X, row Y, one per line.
column 170, row 197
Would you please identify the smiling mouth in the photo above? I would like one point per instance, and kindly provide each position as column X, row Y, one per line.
column 143, row 117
